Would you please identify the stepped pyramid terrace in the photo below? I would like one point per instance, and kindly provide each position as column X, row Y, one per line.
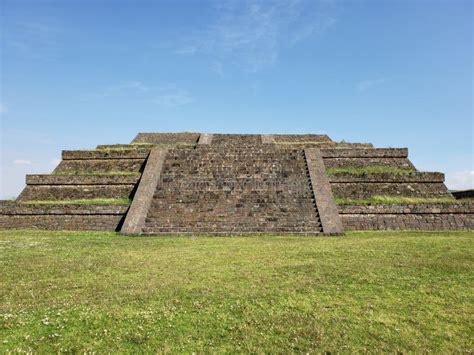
column 225, row 184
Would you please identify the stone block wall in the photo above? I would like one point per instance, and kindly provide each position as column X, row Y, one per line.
column 299, row 138
column 426, row 216
column 130, row 153
column 76, row 192
column 167, row 138
column 236, row 140
column 364, row 153
column 362, row 158
column 107, row 217
column 82, row 179
column 365, row 190
column 100, row 166
column 367, row 162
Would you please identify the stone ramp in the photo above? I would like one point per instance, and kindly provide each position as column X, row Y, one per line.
column 244, row 188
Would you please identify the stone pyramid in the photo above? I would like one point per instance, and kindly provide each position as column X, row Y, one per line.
column 226, row 184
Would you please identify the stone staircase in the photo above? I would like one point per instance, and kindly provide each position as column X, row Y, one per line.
column 233, row 187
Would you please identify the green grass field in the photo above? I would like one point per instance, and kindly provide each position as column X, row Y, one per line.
column 102, row 292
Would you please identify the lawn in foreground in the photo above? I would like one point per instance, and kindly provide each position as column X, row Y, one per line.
column 73, row 291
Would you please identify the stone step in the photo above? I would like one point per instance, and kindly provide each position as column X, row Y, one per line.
column 367, row 162
column 229, row 188
column 75, row 222
column 236, row 231
column 75, row 192
column 226, row 226
column 362, row 191
column 167, row 138
column 99, row 166
column 365, row 153
column 82, row 179
column 219, row 224
column 63, row 209
column 105, row 154
column 387, row 177
column 202, row 215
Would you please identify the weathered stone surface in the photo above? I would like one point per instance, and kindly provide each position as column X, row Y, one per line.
column 59, row 209
column 75, row 192
column 236, row 140
column 324, row 145
column 410, row 208
column 367, row 162
column 82, row 179
column 298, row 138
column 327, row 209
column 135, row 220
column 365, row 190
column 105, row 154
column 433, row 221
column 365, row 153
column 61, row 222
column 426, row 216
column 141, row 146
column 233, row 184
column 105, row 217
column 167, row 138
column 387, row 178
column 99, row 165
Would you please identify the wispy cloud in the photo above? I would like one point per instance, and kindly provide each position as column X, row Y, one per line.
column 366, row 85
column 22, row 162
column 168, row 95
column 3, row 108
column 121, row 89
column 173, row 98
column 218, row 68
column 24, row 136
column 252, row 33
column 460, row 180
column 36, row 40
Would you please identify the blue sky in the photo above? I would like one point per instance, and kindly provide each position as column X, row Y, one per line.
column 77, row 73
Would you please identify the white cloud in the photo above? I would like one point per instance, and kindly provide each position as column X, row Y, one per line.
column 169, row 95
column 36, row 40
column 252, row 33
column 173, row 99
column 460, row 180
column 365, row 85
column 3, row 108
column 22, row 162
column 218, row 68
column 119, row 90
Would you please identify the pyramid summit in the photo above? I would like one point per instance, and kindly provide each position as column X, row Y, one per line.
column 202, row 183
